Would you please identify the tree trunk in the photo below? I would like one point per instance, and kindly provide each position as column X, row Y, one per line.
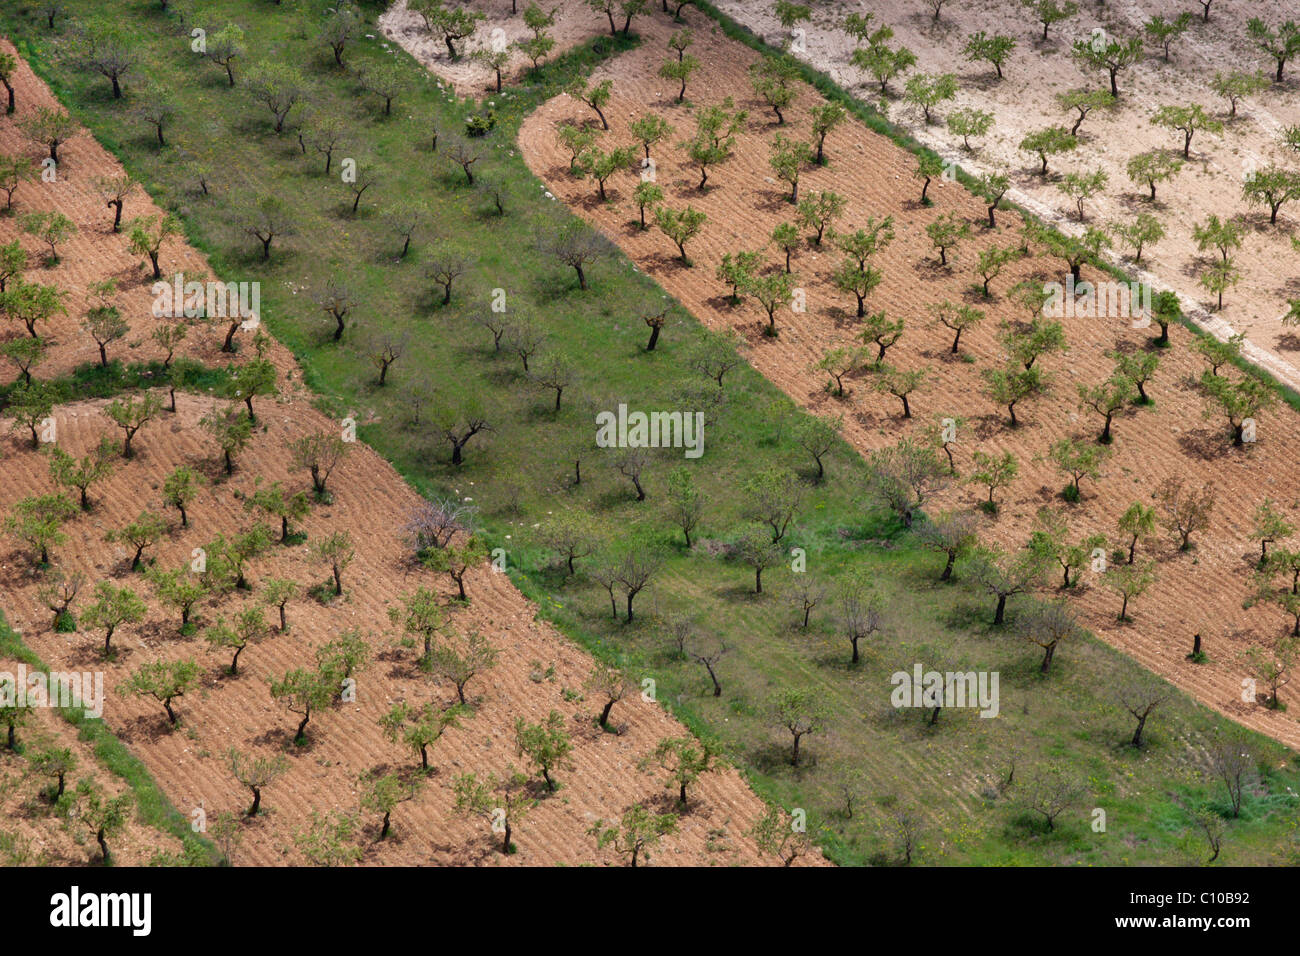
column 1000, row 614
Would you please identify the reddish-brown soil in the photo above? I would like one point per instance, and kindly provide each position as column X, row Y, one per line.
column 370, row 502
column 1198, row 591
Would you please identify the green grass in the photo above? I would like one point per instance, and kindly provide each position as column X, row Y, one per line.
column 519, row 473
column 152, row 808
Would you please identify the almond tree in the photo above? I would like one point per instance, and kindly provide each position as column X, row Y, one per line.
column 277, row 85
column 715, row 135
column 319, row 453
column 459, row 661
column 1140, row 698
column 1129, row 581
column 957, row 318
column 419, row 728
column 684, row 760
column 98, row 814
column 142, row 533
column 1107, row 399
column 801, row 712
column 993, row 49
column 82, row 473
column 336, row 551
column 1152, row 167
column 925, row 91
column 545, row 745
column 1184, row 510
column 1272, row 187
column 1236, row 85
column 232, row 430
column 112, row 608
column 8, row 67
column 181, row 590
column 108, row 51
column 1003, row 575
column 636, row 833
column 1281, row 42
column 1187, row 120
column 773, row 79
column 302, row 692
column 50, row 128
column 1238, row 400
column 1084, row 102
column 256, row 772
column 1047, row 624
column 1270, row 525
column 249, row 628
column 1109, row 54
column 224, row 46
column 37, row 521
column 506, row 798
column 268, row 220
column 952, row 534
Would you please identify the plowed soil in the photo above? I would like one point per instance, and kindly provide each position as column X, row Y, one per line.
column 1201, row 590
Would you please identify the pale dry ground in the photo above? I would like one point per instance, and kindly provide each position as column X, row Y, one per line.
column 575, row 22
column 1200, row 591
column 371, row 502
column 1024, row 101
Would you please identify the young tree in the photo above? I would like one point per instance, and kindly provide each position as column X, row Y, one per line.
column 319, row 453
column 636, row 834
column 788, row 159
column 1047, row 624
column 224, row 46
column 925, row 91
column 1152, row 167
column 232, row 430
column 881, row 61
column 995, row 49
column 680, row 227
column 418, row 729
column 825, row 118
column 164, row 681
column 1003, row 575
column 684, row 760
column 1045, row 143
column 1109, row 54
column 1184, row 510
column 968, row 122
column 336, row 551
column 1084, row 102
column 98, row 814
column 546, row 745
column 715, row 136
column 1187, row 120
column 1281, row 42
column 51, row 228
column 1129, row 581
column 1270, row 525
column 179, row 589
column 1236, row 85
column 277, row 85
column 1272, row 187
column 256, row 772
column 81, row 473
column 506, row 798
column 37, row 521
column 302, row 692
column 50, row 128
column 801, row 712
column 993, row 472
column 1238, row 400
column 773, row 79
column 145, row 531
